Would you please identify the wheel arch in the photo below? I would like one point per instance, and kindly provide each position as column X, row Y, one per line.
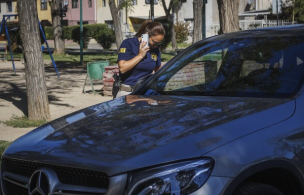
column 264, row 170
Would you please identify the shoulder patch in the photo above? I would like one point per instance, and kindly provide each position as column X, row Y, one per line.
column 122, row 50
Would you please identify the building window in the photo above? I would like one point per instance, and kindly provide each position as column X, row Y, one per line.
column 103, row 3
column 9, row 6
column 90, row 3
column 134, row 2
column 74, row 3
column 83, row 22
column 110, row 24
column 43, row 4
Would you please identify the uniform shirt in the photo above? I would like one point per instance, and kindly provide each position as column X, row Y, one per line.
column 127, row 51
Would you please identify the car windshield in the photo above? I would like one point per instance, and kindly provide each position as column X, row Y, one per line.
column 241, row 67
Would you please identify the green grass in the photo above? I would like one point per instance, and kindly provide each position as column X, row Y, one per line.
column 179, row 45
column 183, row 45
column 23, row 122
column 86, row 58
column 3, row 146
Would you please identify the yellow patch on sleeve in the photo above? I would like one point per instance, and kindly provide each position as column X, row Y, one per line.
column 154, row 56
column 122, row 50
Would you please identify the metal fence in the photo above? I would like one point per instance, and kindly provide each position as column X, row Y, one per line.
column 251, row 24
column 213, row 29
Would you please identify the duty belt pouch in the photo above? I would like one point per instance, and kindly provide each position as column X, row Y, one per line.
column 116, row 85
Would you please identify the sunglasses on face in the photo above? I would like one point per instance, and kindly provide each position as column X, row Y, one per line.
column 154, row 42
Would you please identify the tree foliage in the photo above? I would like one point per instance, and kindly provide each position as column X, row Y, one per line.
column 294, row 9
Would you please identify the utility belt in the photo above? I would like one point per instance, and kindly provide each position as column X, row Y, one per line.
column 127, row 88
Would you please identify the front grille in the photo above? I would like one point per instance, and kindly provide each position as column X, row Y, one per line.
column 13, row 189
column 66, row 175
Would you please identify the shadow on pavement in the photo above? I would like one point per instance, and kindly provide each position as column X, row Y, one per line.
column 72, row 77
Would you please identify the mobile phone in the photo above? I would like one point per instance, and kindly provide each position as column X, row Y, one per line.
column 145, row 37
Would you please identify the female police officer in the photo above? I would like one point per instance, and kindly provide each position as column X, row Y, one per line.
column 135, row 60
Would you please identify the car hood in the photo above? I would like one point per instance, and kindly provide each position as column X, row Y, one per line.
column 139, row 131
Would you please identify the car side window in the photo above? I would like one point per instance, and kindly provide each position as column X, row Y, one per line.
column 253, row 67
column 200, row 71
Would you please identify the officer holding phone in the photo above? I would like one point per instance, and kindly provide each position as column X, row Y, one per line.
column 140, row 56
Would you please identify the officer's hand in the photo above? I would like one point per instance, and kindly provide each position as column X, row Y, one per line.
column 143, row 50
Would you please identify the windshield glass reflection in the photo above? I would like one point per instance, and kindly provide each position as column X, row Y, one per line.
column 251, row 67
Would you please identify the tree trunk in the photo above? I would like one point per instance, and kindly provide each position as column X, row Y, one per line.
column 229, row 15
column 59, row 45
column 37, row 99
column 117, row 24
column 169, row 17
column 198, row 20
column 173, row 34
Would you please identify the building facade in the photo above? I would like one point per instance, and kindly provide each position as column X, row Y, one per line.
column 131, row 18
column 44, row 12
column 73, row 12
column 8, row 8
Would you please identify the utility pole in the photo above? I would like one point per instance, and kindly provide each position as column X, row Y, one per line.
column 151, row 2
column 152, row 9
column 61, row 18
column 204, row 19
column 81, row 34
column 277, row 12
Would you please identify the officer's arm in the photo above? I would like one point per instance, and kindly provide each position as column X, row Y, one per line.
column 126, row 65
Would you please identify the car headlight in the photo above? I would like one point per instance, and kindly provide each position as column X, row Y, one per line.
column 178, row 178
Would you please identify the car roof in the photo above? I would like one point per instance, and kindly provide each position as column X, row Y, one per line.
column 286, row 30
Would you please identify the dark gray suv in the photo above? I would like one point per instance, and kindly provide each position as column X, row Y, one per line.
column 225, row 116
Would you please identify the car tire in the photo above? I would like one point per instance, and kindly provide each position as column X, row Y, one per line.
column 253, row 188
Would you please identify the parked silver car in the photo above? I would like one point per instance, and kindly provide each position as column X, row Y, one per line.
column 223, row 117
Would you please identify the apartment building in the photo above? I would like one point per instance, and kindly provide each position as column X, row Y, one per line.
column 44, row 12
column 72, row 16
column 131, row 18
column 8, row 8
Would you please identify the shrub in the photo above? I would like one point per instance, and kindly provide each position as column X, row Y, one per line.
column 103, row 35
column 85, row 35
column 182, row 31
column 68, row 31
column 167, row 38
column 3, row 146
column 48, row 30
column 251, row 26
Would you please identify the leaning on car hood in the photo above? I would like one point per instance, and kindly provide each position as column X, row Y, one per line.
column 131, row 132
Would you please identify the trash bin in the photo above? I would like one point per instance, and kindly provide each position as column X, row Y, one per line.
column 95, row 71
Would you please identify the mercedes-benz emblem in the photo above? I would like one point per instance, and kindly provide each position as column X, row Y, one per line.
column 39, row 183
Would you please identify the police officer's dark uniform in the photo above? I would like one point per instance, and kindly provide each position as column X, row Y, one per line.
column 127, row 51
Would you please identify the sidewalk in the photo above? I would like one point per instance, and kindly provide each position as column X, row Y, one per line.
column 65, row 94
